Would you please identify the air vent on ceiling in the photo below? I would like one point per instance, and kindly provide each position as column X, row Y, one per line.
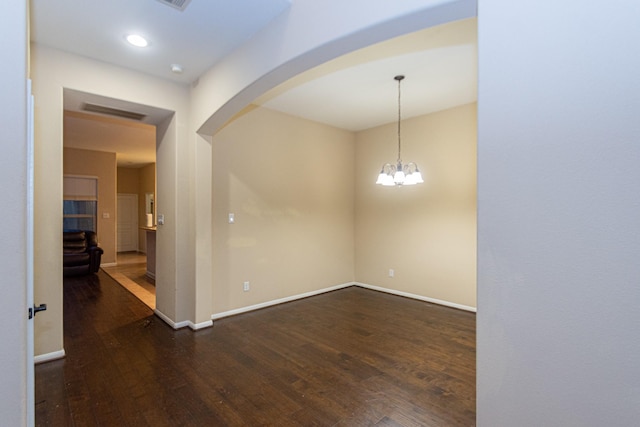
column 93, row 108
column 181, row 5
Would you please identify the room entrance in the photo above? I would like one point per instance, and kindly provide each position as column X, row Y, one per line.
column 121, row 148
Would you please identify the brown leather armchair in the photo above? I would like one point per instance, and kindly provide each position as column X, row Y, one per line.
column 81, row 254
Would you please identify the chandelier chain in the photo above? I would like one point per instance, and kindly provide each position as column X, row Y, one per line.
column 399, row 78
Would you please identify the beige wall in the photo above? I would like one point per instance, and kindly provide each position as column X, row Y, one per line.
column 289, row 183
column 147, row 176
column 128, row 181
column 102, row 165
column 425, row 233
column 298, row 206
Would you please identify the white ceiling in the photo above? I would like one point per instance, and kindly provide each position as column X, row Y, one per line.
column 134, row 143
column 353, row 92
column 195, row 38
column 358, row 91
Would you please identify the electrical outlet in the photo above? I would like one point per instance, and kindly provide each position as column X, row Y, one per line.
column 245, row 286
column 391, row 272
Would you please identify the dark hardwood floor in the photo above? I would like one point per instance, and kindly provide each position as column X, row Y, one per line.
column 352, row 357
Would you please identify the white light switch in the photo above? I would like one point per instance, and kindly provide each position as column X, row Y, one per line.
column 232, row 218
column 160, row 219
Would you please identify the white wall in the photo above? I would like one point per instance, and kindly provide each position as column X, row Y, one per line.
column 13, row 176
column 559, row 213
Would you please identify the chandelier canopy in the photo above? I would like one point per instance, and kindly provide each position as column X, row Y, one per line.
column 397, row 174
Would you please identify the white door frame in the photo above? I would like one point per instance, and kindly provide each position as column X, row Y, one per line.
column 31, row 400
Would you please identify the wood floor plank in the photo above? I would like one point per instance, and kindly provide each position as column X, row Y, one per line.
column 352, row 357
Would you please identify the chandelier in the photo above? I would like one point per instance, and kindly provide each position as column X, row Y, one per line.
column 399, row 174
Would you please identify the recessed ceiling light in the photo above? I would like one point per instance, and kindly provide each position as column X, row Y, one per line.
column 137, row 40
column 176, row 68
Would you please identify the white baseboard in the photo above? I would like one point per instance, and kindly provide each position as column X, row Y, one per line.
column 108, row 264
column 170, row 322
column 278, row 301
column 184, row 323
column 47, row 357
column 418, row 297
column 247, row 309
column 201, row 325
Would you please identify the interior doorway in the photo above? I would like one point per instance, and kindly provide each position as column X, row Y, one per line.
column 132, row 268
column 133, row 142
